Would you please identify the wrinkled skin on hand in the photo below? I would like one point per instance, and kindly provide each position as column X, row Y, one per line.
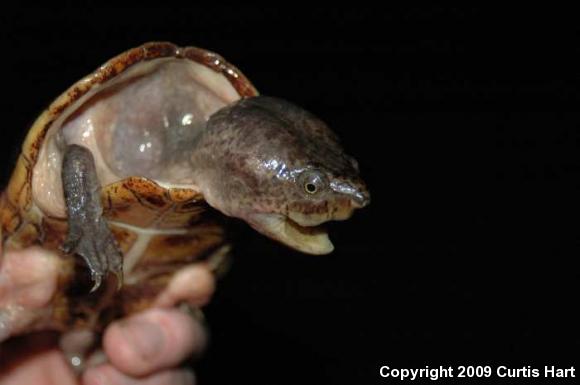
column 143, row 349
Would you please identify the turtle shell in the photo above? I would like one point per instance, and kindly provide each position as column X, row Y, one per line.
column 159, row 226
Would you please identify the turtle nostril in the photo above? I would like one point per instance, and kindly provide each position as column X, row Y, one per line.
column 356, row 192
column 360, row 199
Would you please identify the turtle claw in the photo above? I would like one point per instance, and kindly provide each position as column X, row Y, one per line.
column 97, row 246
column 97, row 279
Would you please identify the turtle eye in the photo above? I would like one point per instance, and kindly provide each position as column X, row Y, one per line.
column 313, row 182
column 310, row 188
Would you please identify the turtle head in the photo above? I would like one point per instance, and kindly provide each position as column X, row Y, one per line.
column 280, row 169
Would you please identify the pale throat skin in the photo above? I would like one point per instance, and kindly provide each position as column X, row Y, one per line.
column 280, row 169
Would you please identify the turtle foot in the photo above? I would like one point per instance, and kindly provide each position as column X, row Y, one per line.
column 97, row 246
column 88, row 233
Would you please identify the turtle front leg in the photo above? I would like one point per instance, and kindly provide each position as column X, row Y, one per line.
column 88, row 233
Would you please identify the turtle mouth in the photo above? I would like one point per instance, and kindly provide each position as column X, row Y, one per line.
column 304, row 237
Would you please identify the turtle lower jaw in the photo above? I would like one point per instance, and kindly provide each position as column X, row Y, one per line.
column 304, row 238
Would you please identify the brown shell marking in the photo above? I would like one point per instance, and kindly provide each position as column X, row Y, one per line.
column 141, row 202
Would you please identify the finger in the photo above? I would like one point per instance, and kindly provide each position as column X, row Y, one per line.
column 194, row 284
column 47, row 368
column 28, row 277
column 34, row 360
column 109, row 375
column 153, row 340
column 28, row 281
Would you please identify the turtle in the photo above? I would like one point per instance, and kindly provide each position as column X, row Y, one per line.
column 132, row 173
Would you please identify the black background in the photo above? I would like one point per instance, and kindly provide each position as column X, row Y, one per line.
column 465, row 124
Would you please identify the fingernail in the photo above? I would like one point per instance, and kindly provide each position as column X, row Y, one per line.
column 144, row 337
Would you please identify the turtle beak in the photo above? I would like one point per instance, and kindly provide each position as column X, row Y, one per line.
column 305, row 238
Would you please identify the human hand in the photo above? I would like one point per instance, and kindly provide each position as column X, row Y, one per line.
column 143, row 349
